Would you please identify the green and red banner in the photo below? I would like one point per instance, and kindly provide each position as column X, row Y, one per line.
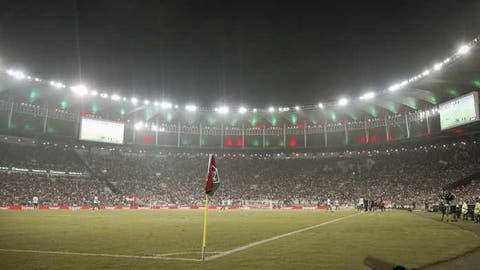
column 213, row 180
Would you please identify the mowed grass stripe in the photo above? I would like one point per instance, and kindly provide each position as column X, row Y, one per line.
column 147, row 232
column 98, row 255
column 237, row 249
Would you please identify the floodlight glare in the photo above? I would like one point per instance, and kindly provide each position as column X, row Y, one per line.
column 367, row 96
column 342, row 101
column 426, row 72
column 57, row 84
column 297, row 108
column 155, row 103
column 438, row 66
column 191, row 108
column 166, row 105
column 104, row 95
column 320, row 105
column 79, row 90
column 271, row 109
column 17, row 74
column 146, row 102
column 463, row 49
column 242, row 110
column 93, row 93
column 115, row 97
column 254, row 110
column 138, row 125
column 394, row 87
column 222, row 109
column 134, row 100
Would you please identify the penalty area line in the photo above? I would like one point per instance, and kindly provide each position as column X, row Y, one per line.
column 98, row 255
column 245, row 247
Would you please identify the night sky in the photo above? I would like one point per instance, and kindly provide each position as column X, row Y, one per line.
column 257, row 53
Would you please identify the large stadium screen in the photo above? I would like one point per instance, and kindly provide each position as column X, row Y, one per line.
column 459, row 111
column 101, row 131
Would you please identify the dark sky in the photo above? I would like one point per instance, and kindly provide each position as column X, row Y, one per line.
column 252, row 52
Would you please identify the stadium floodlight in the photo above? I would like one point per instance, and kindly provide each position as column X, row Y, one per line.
column 394, row 87
column 176, row 106
column 17, row 74
column 446, row 60
column 437, row 66
column 242, row 110
column 368, row 96
column 320, row 105
column 146, row 102
column 271, row 109
column 191, row 108
column 79, row 90
column 426, row 72
column 115, row 97
column 254, row 110
column 464, row 49
column 57, row 84
column 156, row 104
column 37, row 79
column 154, row 128
column 138, row 125
column 166, row 105
column 342, row 101
column 222, row 109
column 134, row 100
column 93, row 93
column 297, row 108
column 104, row 95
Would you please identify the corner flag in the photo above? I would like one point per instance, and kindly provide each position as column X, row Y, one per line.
column 213, row 180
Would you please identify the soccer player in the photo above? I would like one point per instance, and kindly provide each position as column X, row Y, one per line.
column 96, row 203
column 337, row 205
column 476, row 211
column 329, row 205
column 35, row 202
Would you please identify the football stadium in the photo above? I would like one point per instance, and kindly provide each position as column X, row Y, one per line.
column 215, row 135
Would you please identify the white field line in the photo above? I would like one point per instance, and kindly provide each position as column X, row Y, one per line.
column 98, row 255
column 237, row 249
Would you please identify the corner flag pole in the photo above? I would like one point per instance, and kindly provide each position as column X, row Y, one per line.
column 211, row 184
column 204, row 244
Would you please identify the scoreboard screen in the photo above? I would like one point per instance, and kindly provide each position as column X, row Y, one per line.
column 101, row 131
column 459, row 111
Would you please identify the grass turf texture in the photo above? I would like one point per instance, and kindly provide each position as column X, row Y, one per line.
column 400, row 237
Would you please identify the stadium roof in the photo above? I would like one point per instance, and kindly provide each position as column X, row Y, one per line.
column 449, row 76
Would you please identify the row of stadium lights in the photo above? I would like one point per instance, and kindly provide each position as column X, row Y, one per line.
column 81, row 90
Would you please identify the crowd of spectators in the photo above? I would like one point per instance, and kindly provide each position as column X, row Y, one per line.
column 157, row 177
column 20, row 188
column 43, row 156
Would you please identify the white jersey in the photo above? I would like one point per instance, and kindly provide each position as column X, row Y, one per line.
column 328, row 202
column 35, row 199
column 95, row 200
column 336, row 203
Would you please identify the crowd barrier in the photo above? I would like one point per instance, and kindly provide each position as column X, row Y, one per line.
column 160, row 207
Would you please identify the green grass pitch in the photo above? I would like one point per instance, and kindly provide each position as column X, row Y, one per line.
column 148, row 239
